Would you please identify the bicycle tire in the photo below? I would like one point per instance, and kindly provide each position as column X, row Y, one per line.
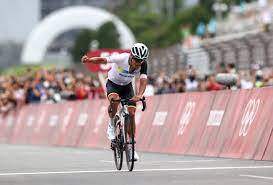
column 129, row 143
column 118, row 147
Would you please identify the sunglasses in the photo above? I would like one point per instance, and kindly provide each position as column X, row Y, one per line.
column 138, row 60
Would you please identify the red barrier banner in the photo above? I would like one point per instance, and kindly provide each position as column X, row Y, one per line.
column 157, row 135
column 268, row 153
column 214, row 123
column 96, row 111
column 58, row 123
column 232, row 116
column 53, row 120
column 169, row 130
column 68, row 110
column 79, row 125
column 233, row 124
column 7, row 122
column 39, row 118
column 144, row 129
column 68, row 135
column 181, row 115
column 22, row 128
column 18, row 121
column 252, row 112
column 256, row 129
column 101, row 127
column 199, row 121
column 186, row 111
column 94, row 134
column 45, row 124
column 188, row 129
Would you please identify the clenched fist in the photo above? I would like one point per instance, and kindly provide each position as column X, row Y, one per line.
column 84, row 59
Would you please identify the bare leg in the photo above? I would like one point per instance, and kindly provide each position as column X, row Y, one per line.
column 132, row 111
column 112, row 109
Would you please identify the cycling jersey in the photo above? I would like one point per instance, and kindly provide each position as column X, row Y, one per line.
column 119, row 73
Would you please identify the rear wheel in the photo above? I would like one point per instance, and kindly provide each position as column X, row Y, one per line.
column 129, row 143
column 118, row 147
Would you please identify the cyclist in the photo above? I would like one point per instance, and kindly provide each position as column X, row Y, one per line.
column 119, row 84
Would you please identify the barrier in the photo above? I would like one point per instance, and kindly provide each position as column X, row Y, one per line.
column 232, row 124
column 170, row 130
column 94, row 134
column 155, row 123
column 268, row 152
column 76, row 125
column 257, row 134
column 214, row 124
column 145, row 124
column 7, row 123
column 49, row 124
column 200, row 117
column 253, row 107
column 22, row 127
column 40, row 113
column 68, row 113
column 187, row 126
column 268, row 155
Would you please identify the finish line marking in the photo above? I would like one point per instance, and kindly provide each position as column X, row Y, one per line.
column 152, row 162
column 257, row 177
column 137, row 170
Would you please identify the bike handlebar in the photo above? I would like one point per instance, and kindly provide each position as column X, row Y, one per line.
column 126, row 101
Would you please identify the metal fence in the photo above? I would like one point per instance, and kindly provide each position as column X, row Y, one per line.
column 244, row 51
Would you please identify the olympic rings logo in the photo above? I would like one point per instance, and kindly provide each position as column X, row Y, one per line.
column 186, row 116
column 249, row 116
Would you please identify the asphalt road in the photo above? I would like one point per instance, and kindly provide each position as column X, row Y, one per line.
column 35, row 165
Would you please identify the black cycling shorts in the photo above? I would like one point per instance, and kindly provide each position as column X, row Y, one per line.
column 124, row 92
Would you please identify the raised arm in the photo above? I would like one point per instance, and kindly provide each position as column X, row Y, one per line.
column 94, row 60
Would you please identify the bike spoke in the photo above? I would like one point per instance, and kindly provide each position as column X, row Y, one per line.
column 118, row 150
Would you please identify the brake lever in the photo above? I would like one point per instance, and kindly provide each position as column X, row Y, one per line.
column 143, row 104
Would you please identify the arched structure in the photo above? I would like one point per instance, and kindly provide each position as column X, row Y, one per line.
column 66, row 19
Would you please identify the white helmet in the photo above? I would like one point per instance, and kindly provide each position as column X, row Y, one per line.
column 140, row 51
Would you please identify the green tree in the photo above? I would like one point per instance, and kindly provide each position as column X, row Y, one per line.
column 187, row 18
column 157, row 29
column 82, row 44
column 108, row 36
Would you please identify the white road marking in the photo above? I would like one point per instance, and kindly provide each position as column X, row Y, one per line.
column 137, row 170
column 105, row 161
column 152, row 162
column 258, row 177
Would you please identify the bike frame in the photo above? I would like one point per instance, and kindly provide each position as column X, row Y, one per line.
column 123, row 143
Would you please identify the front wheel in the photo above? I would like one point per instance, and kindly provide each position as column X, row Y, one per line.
column 129, row 143
column 118, row 147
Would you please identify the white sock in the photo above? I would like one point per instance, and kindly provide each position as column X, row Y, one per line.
column 112, row 121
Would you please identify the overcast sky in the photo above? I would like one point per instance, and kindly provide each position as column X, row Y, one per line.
column 18, row 18
column 191, row 2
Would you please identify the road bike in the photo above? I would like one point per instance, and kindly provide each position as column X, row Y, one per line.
column 123, row 130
